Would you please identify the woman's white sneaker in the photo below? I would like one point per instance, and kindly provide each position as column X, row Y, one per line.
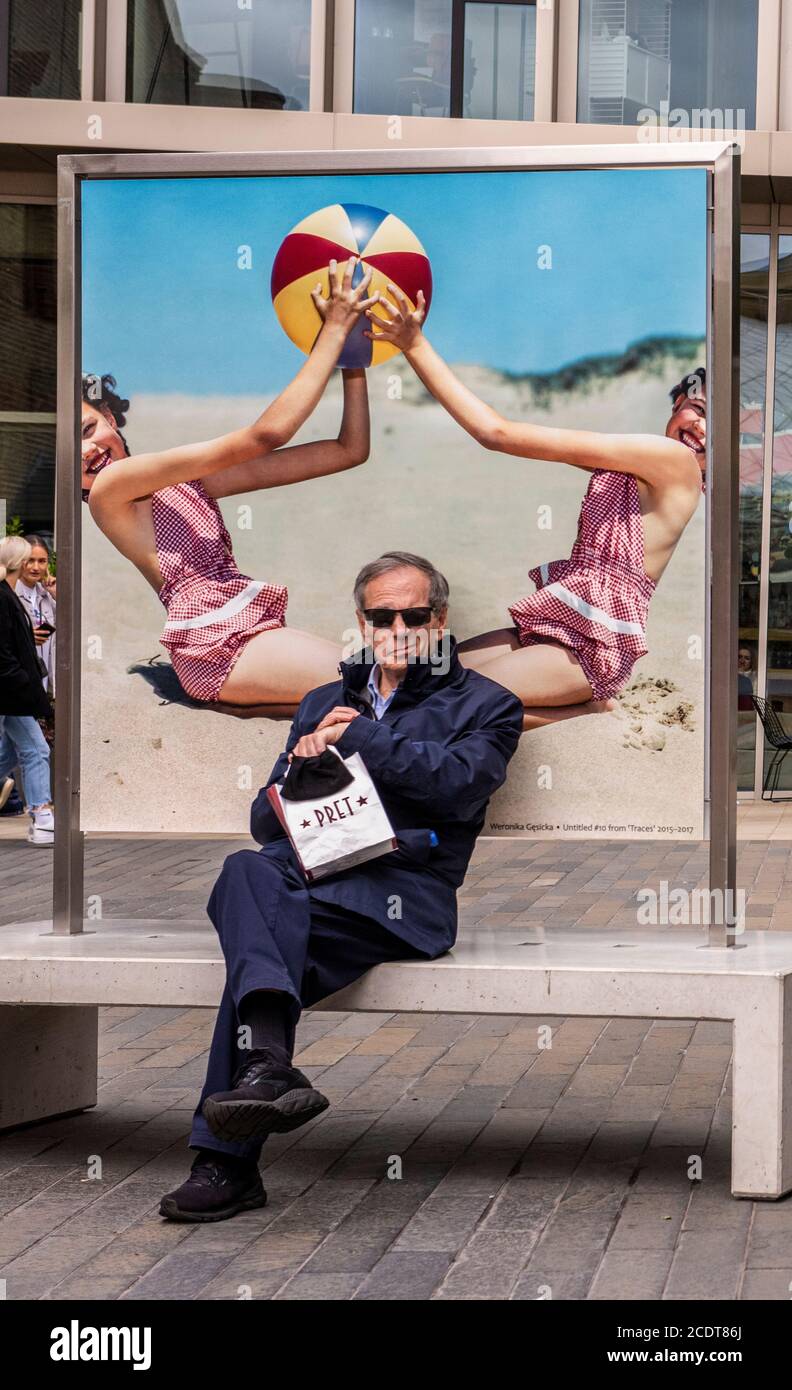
column 42, row 828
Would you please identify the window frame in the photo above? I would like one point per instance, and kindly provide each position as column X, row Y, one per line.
column 768, row 65
column 86, row 40
column 457, row 75
column 28, row 417
column 344, row 44
column 117, row 57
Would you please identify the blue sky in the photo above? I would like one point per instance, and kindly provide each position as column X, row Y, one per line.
column 166, row 308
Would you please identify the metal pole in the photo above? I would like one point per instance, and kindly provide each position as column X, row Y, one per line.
column 767, row 498
column 723, row 414
column 67, row 887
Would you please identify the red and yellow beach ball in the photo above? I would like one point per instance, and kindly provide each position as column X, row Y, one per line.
column 386, row 246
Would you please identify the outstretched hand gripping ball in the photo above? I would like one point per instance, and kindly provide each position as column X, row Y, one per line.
column 386, row 246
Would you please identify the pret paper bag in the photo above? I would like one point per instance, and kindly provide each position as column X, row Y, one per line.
column 332, row 813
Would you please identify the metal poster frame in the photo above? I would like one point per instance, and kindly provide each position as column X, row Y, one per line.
column 721, row 159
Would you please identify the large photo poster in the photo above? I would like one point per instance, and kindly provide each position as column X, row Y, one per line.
column 509, row 382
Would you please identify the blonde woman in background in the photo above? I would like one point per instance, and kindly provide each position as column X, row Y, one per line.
column 23, row 699
column 36, row 589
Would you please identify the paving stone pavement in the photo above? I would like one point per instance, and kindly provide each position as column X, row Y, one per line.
column 460, row 1158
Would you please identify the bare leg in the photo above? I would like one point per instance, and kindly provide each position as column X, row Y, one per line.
column 279, row 667
column 544, row 674
column 498, row 654
column 537, row 718
column 476, row 652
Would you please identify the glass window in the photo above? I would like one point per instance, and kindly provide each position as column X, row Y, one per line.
column 445, row 58
column 28, row 296
column 403, row 57
column 697, row 57
column 779, row 614
column 28, row 363
column 499, row 62
column 754, row 282
column 40, row 48
column 27, row 474
column 219, row 53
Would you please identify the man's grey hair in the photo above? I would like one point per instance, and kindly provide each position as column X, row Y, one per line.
column 396, row 560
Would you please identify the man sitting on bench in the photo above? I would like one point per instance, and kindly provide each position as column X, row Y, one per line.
column 436, row 739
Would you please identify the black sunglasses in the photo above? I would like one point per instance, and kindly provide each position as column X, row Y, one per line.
column 385, row 617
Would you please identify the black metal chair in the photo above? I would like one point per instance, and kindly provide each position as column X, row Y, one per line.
column 777, row 737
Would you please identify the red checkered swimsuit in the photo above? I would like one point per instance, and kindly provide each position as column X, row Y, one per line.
column 596, row 602
column 213, row 609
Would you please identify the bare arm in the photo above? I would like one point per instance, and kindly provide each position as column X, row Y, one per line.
column 659, row 461
column 302, row 461
column 146, row 473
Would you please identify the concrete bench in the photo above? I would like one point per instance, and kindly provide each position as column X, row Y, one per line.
column 51, row 987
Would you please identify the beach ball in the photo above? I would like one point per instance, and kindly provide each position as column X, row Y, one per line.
column 387, row 247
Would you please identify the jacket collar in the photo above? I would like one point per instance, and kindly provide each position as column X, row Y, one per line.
column 422, row 678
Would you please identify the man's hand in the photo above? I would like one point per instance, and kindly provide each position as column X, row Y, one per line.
column 310, row 745
column 339, row 714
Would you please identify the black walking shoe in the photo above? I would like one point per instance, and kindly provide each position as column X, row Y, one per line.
column 268, row 1096
column 219, row 1186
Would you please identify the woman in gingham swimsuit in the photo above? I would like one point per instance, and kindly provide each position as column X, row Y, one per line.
column 576, row 639
column 225, row 632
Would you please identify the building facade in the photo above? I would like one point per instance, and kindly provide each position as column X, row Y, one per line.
column 144, row 75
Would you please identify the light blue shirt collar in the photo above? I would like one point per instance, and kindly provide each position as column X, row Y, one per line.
column 379, row 702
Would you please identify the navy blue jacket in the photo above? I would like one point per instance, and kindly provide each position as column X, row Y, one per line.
column 436, row 756
column 21, row 675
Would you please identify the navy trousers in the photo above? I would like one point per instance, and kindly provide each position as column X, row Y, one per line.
column 276, row 935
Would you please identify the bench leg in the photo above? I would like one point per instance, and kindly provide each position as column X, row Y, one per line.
column 48, row 1061
column 762, row 1118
